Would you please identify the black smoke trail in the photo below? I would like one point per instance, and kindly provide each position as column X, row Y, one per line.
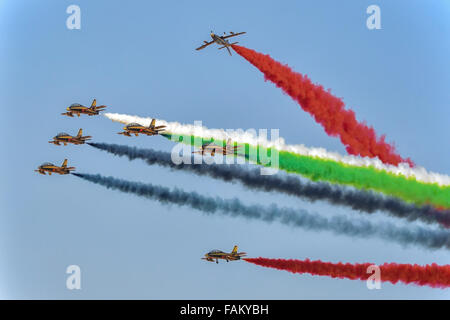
column 428, row 238
column 364, row 201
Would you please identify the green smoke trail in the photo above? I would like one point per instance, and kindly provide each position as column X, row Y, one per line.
column 316, row 169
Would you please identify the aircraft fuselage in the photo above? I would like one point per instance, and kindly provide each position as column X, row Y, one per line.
column 219, row 40
column 215, row 255
column 136, row 129
column 84, row 110
column 213, row 148
column 142, row 130
column 66, row 140
column 50, row 170
column 221, row 255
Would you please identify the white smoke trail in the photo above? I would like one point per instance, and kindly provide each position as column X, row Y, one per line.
column 419, row 173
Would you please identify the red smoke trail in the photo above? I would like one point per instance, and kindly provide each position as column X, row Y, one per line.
column 429, row 275
column 328, row 110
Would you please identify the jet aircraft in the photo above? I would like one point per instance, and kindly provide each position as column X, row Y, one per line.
column 212, row 148
column 221, row 40
column 78, row 109
column 217, row 254
column 51, row 168
column 136, row 129
column 66, row 138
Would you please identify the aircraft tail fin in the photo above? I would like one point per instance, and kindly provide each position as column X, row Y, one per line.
column 235, row 250
column 94, row 103
column 152, row 124
column 64, row 163
column 80, row 133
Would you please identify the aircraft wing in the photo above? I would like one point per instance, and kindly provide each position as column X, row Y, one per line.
column 205, row 45
column 232, row 35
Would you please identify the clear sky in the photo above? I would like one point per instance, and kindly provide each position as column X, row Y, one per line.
column 138, row 58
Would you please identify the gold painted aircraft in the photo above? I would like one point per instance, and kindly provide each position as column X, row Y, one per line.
column 66, row 138
column 217, row 254
column 78, row 109
column 51, row 168
column 221, row 40
column 137, row 128
column 212, row 148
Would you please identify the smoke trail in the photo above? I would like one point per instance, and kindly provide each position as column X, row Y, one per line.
column 249, row 137
column 365, row 178
column 356, row 199
column 425, row 237
column 429, row 275
column 326, row 109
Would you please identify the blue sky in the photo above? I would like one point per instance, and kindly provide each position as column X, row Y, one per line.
column 139, row 59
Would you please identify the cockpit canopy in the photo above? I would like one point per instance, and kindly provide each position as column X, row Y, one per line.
column 216, row 251
column 47, row 164
column 61, row 134
column 75, row 105
column 134, row 124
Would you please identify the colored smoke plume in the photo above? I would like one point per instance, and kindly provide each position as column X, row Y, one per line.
column 339, row 224
column 364, row 201
column 326, row 109
column 431, row 275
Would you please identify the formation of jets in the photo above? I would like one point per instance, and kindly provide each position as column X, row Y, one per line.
column 221, row 41
column 151, row 130
column 79, row 109
column 215, row 255
column 213, row 148
column 136, row 129
column 51, row 168
column 66, row 138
